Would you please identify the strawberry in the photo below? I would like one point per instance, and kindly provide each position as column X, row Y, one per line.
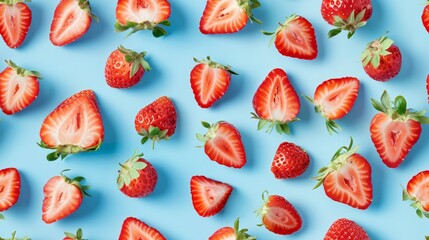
column 227, row 16
column 382, row 60
column 137, row 177
column 15, row 21
column 425, row 16
column 229, row 233
column 343, row 229
column 10, row 188
column 347, row 179
column 348, row 15
column 427, row 86
column 156, row 121
column 63, row 196
column 132, row 229
column 71, row 236
column 396, row 129
column 209, row 196
column 74, row 126
column 18, row 88
column 209, row 81
column 15, row 238
column 143, row 15
column 418, row 193
column 278, row 215
column 276, row 103
column 124, row 68
column 334, row 98
column 295, row 38
column 72, row 19
column 290, row 161
column 223, row 144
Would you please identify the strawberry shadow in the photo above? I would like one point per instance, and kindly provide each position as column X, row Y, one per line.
column 4, row 129
column 306, row 220
column 178, row 20
column 151, row 80
column 37, row 23
column 24, row 204
column 163, row 184
column 356, row 119
column 233, row 92
column 378, row 185
column 89, row 206
column 373, row 235
column 322, row 42
column 249, row 147
column 417, row 152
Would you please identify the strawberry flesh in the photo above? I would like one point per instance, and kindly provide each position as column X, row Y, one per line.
column 222, row 17
column 418, row 190
column 10, row 188
column 15, row 21
column 140, row 11
column 133, row 229
column 425, row 17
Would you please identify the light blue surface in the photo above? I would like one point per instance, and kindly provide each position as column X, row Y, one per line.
column 67, row 70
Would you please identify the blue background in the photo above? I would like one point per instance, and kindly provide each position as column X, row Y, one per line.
column 67, row 70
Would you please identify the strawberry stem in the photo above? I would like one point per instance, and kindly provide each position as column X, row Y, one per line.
column 77, row 236
column 351, row 24
column 214, row 64
column 22, row 71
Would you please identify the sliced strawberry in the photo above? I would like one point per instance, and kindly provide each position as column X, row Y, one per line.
column 343, row 229
column 74, row 236
column 209, row 196
column 418, row 192
column 10, row 188
column 427, row 86
column 295, row 38
column 133, row 229
column 72, row 19
column 15, row 21
column 425, row 16
column 229, row 233
column 74, row 126
column 223, row 144
column 227, row 16
column 275, row 102
column 209, row 81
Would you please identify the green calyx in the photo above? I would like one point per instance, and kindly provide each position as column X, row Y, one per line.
column 130, row 170
column 261, row 212
column 213, row 64
column 375, row 50
column 210, row 134
column 15, row 238
column 76, row 182
column 415, row 203
column 85, row 6
column 281, row 127
column 1, row 217
column 22, row 71
column 13, row 2
column 153, row 133
column 248, row 6
column 135, row 59
column 351, row 24
column 280, row 28
column 241, row 234
column 331, row 125
column 397, row 109
column 77, row 236
column 157, row 31
column 337, row 162
column 64, row 150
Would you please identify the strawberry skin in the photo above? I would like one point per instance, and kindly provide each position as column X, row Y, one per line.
column 229, row 233
column 425, row 16
column 133, row 229
column 290, row 161
column 417, row 193
column 427, row 86
column 223, row 144
column 15, row 21
column 10, row 188
column 209, row 196
column 343, row 229
column 18, row 88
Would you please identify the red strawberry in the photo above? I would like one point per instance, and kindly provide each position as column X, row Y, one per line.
column 425, row 16
column 382, row 60
column 209, row 196
column 427, row 86
column 343, row 229
column 229, row 233
column 10, row 188
column 15, row 238
column 418, row 192
column 15, row 21
column 290, row 161
column 348, row 15
column 156, row 121
column 227, row 16
column 133, row 229
column 223, row 144
column 137, row 177
column 395, row 130
column 209, row 81
column 276, row 102
column 72, row 19
column 347, row 179
column 278, row 215
column 63, row 196
column 143, row 15
column 71, row 236
column 295, row 38
column 334, row 98
column 124, row 68
column 18, row 88
column 74, row 126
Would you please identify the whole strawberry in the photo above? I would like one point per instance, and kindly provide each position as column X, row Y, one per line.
column 125, row 68
column 343, row 229
column 77, row 236
column 137, row 177
column 156, row 121
column 382, row 60
column 417, row 192
column 425, row 16
column 15, row 21
column 290, row 161
column 232, row 233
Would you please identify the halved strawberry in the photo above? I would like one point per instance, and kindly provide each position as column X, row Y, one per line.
column 10, row 188
column 295, row 38
column 343, row 229
column 427, row 86
column 223, row 144
column 418, row 193
column 334, row 98
column 396, row 129
column 18, row 88
column 229, row 233
column 74, row 236
column 347, row 179
column 227, row 16
column 276, row 103
column 209, row 196
column 143, row 15
column 278, row 215
column 15, row 21
column 63, row 196
column 209, row 81
column 74, row 126
column 425, row 16
column 133, row 229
